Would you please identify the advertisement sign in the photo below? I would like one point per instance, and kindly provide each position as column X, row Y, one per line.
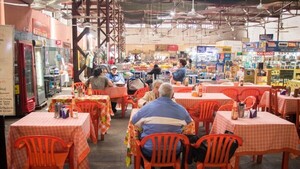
column 161, row 47
column 282, row 46
column 7, row 97
column 266, row 37
column 206, row 49
column 40, row 29
column 172, row 47
column 253, row 47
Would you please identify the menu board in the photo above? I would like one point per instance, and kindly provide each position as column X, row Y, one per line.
column 7, row 70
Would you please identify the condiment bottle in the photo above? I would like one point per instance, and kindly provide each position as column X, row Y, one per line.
column 234, row 112
column 89, row 90
column 200, row 90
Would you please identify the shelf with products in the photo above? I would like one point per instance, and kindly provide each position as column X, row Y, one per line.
column 53, row 85
column 262, row 76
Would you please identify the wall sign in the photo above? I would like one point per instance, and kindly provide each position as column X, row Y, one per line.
column 7, row 97
column 40, row 29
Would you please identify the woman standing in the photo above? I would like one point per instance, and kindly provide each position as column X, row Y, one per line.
column 179, row 74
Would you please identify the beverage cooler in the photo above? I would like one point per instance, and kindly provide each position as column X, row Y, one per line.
column 39, row 55
column 24, row 78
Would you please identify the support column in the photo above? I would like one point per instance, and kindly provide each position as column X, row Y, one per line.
column 2, row 13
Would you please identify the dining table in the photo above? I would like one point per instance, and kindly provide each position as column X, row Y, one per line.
column 118, row 94
column 188, row 101
column 105, row 114
column 287, row 105
column 76, row 130
column 133, row 131
column 176, row 88
column 266, row 133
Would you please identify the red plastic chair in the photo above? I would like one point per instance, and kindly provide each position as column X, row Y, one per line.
column 135, row 97
column 250, row 102
column 203, row 112
column 79, row 84
column 226, row 107
column 94, row 108
column 98, row 92
column 273, row 101
column 250, row 92
column 232, row 93
column 45, row 151
column 184, row 90
column 218, row 149
column 165, row 155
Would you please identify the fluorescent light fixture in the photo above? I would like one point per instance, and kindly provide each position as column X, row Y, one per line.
column 172, row 13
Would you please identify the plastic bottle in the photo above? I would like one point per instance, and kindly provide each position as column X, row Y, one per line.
column 200, row 90
column 75, row 93
column 89, row 90
column 234, row 112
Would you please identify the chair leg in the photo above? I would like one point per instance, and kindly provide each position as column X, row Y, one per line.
column 196, row 127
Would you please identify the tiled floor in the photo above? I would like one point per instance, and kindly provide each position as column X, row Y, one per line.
column 110, row 153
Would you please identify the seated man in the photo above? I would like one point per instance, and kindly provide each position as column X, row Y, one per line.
column 115, row 78
column 161, row 115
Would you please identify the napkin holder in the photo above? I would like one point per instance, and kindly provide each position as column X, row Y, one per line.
column 296, row 92
column 253, row 113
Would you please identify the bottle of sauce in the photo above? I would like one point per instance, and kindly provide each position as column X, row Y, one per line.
column 234, row 112
column 200, row 90
column 89, row 90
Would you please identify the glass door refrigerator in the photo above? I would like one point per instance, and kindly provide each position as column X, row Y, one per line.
column 25, row 78
column 39, row 55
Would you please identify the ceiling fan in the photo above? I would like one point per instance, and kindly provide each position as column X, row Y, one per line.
column 260, row 6
column 189, row 15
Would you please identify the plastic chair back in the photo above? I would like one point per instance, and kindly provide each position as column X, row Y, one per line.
column 273, row 101
column 203, row 112
column 94, row 108
column 44, row 151
column 250, row 92
column 218, row 149
column 232, row 93
column 79, row 84
column 250, row 102
column 226, row 107
column 165, row 154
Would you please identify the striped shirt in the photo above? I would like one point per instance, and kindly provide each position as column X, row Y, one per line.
column 161, row 115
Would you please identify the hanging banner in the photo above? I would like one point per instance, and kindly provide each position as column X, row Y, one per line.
column 172, row 47
column 7, row 97
column 266, row 37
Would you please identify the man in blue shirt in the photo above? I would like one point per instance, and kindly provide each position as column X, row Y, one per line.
column 161, row 115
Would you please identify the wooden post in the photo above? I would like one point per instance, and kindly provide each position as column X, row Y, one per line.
column 2, row 13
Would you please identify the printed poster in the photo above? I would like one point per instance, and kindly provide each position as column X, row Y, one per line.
column 7, row 97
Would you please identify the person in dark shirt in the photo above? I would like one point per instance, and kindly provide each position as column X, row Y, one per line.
column 155, row 71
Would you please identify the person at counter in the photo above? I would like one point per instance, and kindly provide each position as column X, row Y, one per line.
column 97, row 81
column 161, row 115
column 179, row 74
column 155, row 71
column 240, row 73
column 150, row 95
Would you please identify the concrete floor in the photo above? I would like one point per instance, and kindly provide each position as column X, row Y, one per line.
column 111, row 153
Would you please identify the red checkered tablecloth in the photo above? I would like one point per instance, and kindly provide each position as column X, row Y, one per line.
column 266, row 133
column 42, row 123
column 188, row 101
column 105, row 116
column 178, row 87
column 286, row 104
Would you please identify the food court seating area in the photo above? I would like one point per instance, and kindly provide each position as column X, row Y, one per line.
column 112, row 152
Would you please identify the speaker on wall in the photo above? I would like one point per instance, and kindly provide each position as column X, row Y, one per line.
column 260, row 65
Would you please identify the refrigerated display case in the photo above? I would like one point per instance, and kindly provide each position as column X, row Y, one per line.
column 25, row 78
column 39, row 55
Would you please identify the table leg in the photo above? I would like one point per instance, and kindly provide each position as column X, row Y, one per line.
column 237, row 162
column 285, row 160
column 102, row 137
column 123, row 106
column 259, row 159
